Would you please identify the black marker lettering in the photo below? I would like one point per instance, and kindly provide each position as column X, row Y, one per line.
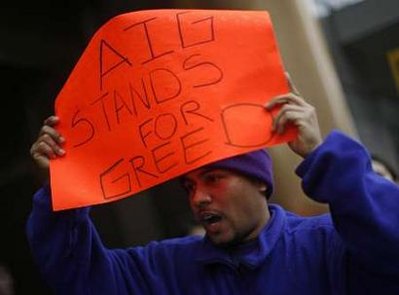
column 162, row 158
column 88, row 124
column 101, row 99
column 192, row 107
column 122, row 59
column 165, row 126
column 138, row 163
column 230, row 126
column 169, row 86
column 145, row 135
column 143, row 97
column 217, row 78
column 148, row 39
column 119, row 105
column 109, row 193
column 184, row 34
column 186, row 146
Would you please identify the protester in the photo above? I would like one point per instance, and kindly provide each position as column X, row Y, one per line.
column 6, row 281
column 250, row 246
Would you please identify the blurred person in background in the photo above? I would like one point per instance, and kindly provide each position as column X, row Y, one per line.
column 6, row 281
column 381, row 167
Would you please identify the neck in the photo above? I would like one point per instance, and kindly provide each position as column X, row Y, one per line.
column 265, row 217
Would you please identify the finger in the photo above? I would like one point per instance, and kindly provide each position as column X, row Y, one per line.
column 291, row 84
column 281, row 99
column 53, row 145
column 288, row 98
column 300, row 115
column 46, row 129
column 41, row 151
column 284, row 114
column 51, row 121
column 283, row 110
column 290, row 116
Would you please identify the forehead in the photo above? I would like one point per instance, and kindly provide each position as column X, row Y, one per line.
column 197, row 173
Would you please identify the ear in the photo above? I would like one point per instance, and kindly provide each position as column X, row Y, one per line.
column 262, row 187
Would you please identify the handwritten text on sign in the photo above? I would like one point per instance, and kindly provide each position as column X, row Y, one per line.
column 159, row 93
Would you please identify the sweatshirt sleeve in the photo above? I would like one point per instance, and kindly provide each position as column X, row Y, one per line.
column 364, row 206
column 70, row 255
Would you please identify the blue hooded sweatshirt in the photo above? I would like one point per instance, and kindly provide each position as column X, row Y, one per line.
column 353, row 250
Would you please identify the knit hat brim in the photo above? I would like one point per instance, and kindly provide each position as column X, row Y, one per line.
column 256, row 164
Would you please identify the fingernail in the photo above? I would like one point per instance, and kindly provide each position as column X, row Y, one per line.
column 61, row 152
column 61, row 139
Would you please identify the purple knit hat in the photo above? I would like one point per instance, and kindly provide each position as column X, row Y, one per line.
column 256, row 164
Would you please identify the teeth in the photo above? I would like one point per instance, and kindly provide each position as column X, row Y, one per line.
column 210, row 218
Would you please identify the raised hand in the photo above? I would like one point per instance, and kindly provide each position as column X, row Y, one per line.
column 295, row 110
column 47, row 146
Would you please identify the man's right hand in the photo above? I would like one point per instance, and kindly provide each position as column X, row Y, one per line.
column 297, row 111
column 47, row 146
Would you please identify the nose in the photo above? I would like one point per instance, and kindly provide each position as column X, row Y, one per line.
column 200, row 197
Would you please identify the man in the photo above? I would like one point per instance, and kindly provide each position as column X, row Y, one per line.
column 250, row 247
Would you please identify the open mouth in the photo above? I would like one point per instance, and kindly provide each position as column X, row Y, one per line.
column 209, row 218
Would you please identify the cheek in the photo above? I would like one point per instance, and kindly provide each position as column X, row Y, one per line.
column 222, row 194
column 245, row 202
column 235, row 205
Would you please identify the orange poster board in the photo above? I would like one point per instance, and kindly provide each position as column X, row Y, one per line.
column 158, row 93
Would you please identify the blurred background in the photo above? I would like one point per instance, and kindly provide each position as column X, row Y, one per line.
column 343, row 56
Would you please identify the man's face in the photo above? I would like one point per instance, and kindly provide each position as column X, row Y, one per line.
column 232, row 208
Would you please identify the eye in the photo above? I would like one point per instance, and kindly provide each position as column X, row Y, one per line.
column 213, row 178
column 188, row 186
